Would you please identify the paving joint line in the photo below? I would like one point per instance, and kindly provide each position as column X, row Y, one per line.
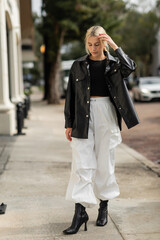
column 2, row 150
column 116, row 227
column 4, row 165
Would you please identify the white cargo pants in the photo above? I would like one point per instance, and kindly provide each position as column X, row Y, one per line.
column 92, row 175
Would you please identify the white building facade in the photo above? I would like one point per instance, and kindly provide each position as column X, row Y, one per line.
column 11, row 81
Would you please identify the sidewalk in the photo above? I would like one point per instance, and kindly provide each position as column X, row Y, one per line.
column 35, row 175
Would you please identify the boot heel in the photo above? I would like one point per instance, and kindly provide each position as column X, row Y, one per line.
column 85, row 226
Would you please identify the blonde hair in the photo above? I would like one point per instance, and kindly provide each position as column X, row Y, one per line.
column 94, row 31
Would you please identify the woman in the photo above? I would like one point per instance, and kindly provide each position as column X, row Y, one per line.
column 96, row 101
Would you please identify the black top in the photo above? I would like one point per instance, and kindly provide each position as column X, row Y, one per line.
column 98, row 82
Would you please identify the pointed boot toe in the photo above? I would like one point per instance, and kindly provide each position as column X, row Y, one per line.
column 101, row 222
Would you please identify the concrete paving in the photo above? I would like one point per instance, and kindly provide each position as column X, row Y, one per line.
column 35, row 174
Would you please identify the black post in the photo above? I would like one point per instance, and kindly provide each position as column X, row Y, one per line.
column 25, row 108
column 28, row 102
column 20, row 118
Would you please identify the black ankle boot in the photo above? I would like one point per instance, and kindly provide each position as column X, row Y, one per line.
column 79, row 218
column 102, row 218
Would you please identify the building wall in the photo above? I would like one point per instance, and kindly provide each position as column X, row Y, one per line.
column 26, row 19
column 27, row 31
column 11, row 83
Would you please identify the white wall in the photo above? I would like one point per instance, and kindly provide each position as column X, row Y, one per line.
column 9, row 13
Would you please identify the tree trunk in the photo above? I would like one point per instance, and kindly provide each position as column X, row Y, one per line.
column 46, row 68
column 54, row 79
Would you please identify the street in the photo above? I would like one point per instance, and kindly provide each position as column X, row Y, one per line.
column 145, row 137
column 34, row 178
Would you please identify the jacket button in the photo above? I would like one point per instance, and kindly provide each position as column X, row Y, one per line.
column 114, row 96
column 88, row 88
column 77, row 79
column 120, row 108
column 115, row 70
column 87, row 116
column 87, row 101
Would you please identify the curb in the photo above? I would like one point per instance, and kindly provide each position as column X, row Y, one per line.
column 139, row 157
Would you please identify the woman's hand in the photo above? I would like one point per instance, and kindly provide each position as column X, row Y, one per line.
column 108, row 39
column 68, row 134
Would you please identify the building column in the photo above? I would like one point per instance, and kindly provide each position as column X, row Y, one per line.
column 7, row 109
column 19, row 64
column 15, row 96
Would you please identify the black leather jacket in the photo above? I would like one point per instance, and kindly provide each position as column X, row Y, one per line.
column 77, row 103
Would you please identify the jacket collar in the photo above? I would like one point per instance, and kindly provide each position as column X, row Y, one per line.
column 85, row 57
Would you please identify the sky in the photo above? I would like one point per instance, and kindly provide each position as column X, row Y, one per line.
column 36, row 6
column 143, row 5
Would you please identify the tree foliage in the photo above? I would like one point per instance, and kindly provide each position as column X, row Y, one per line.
column 138, row 36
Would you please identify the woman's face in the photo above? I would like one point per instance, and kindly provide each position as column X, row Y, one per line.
column 95, row 46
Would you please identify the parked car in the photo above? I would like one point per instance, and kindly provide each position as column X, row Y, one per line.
column 146, row 89
column 65, row 69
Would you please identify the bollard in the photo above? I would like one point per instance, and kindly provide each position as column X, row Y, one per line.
column 20, row 118
column 28, row 103
column 23, row 115
column 25, row 108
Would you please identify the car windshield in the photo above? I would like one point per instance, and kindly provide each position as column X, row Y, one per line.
column 149, row 81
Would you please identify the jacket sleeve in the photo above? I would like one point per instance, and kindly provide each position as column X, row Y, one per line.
column 69, row 109
column 127, row 64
